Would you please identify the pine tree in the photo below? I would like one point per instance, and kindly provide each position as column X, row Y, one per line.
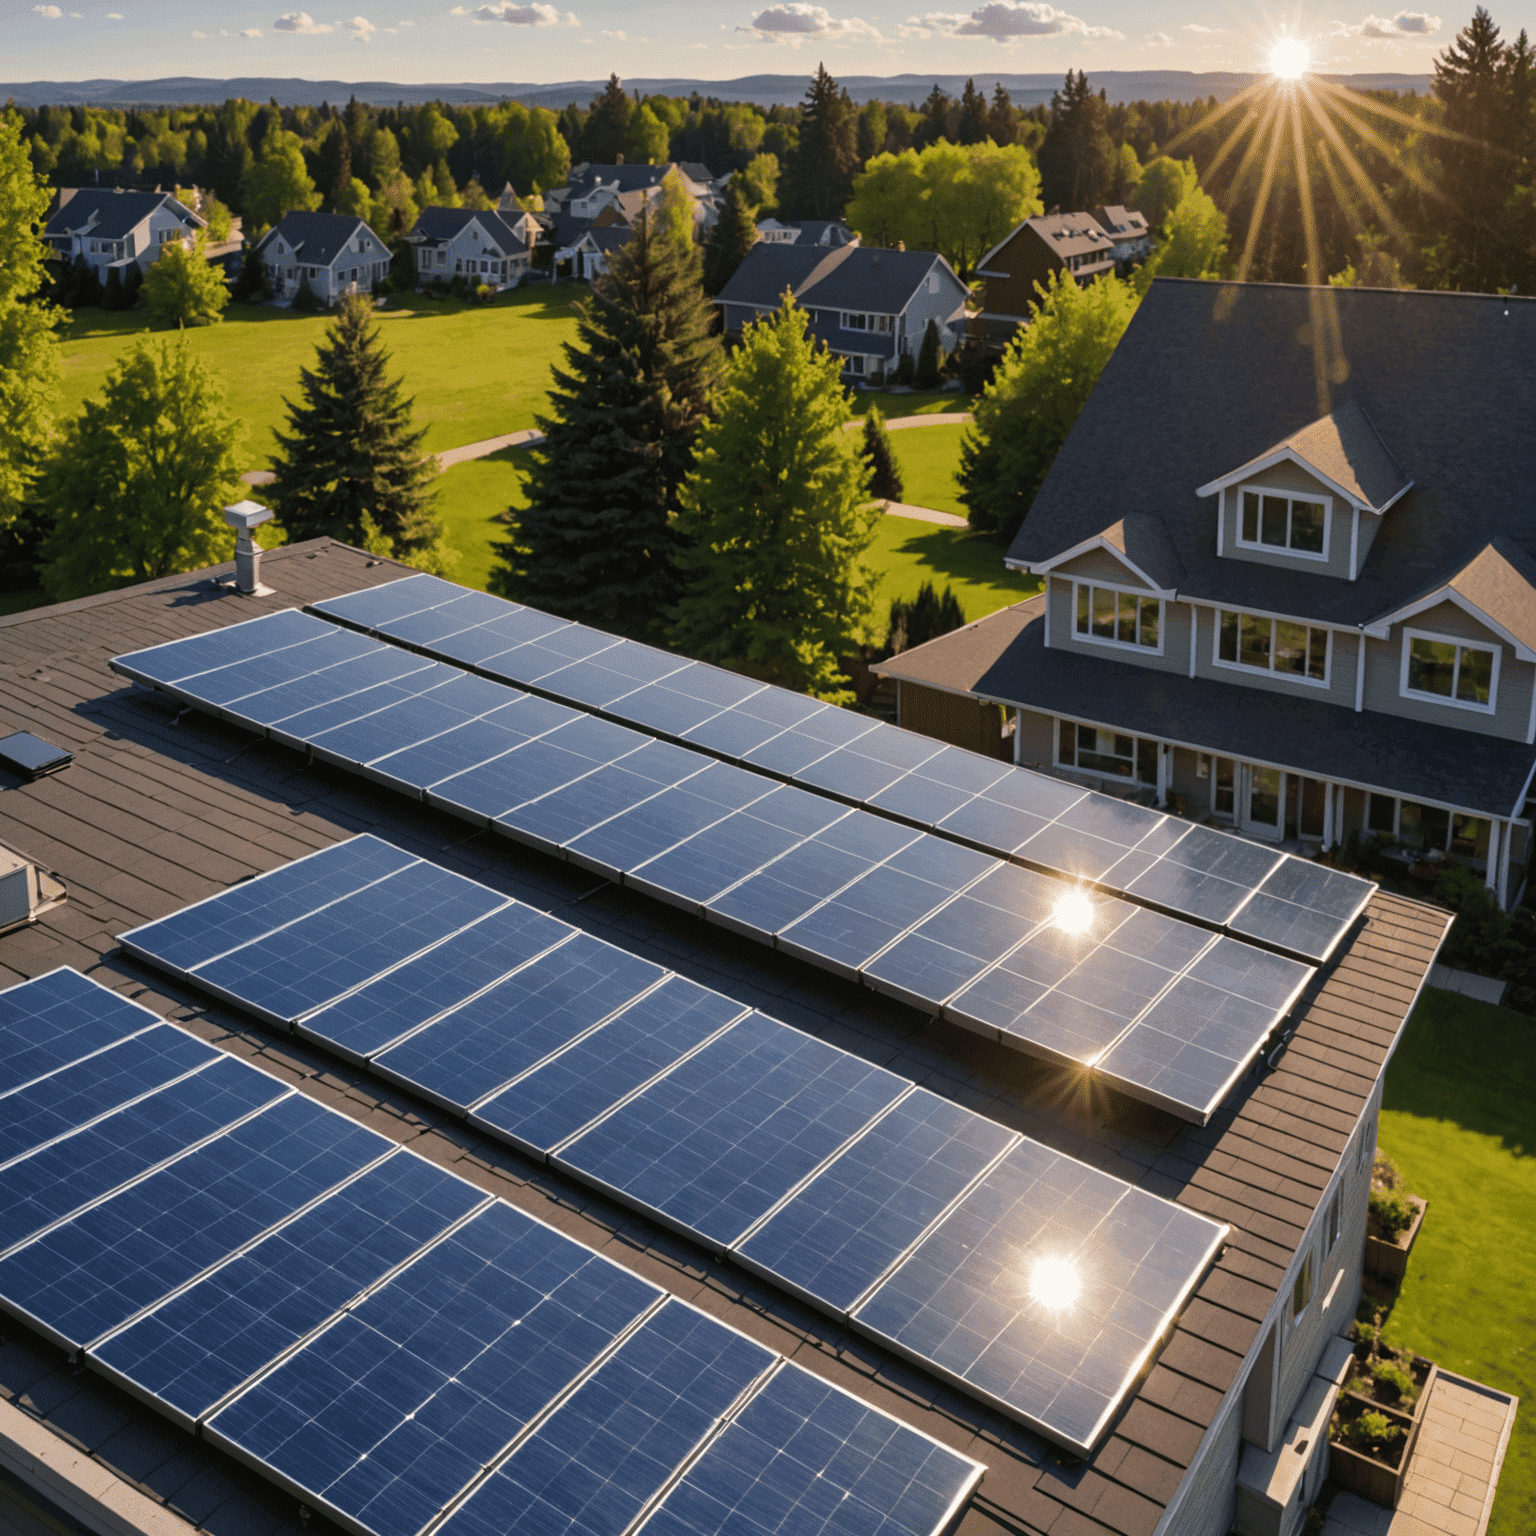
column 927, row 616
column 1002, row 125
column 935, row 122
column 350, row 453
column 112, row 291
column 972, row 127
column 606, row 131
column 884, row 472
column 596, row 542
column 819, row 176
column 730, row 240
column 1077, row 160
column 776, row 518
column 927, row 375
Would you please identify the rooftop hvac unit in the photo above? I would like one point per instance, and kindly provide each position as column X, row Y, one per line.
column 26, row 891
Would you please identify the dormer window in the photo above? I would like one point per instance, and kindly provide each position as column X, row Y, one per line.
column 1449, row 671
column 1109, row 616
column 1279, row 521
column 1255, row 643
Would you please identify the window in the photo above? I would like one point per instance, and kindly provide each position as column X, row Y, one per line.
column 1272, row 645
column 1450, row 671
column 1224, row 787
column 1301, row 1292
column 1092, row 750
column 1427, row 827
column 1264, row 785
column 881, row 324
column 1331, row 1223
column 1109, row 616
column 1276, row 520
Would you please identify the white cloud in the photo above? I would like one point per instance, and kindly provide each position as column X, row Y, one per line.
column 1194, row 26
column 362, row 29
column 199, row 34
column 795, row 21
column 1004, row 21
column 114, row 16
column 1159, row 40
column 1380, row 29
column 300, row 21
column 251, row 32
column 514, row 15
column 52, row 12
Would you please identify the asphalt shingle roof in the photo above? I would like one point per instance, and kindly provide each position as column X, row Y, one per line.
column 118, row 213
column 437, row 226
column 849, row 277
column 318, row 238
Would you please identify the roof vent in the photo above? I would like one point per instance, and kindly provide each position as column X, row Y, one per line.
column 31, row 758
column 243, row 517
column 26, row 892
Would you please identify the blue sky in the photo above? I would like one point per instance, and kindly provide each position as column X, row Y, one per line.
column 530, row 40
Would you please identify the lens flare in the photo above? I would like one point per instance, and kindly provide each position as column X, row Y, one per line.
column 1073, row 913
column 1055, row 1283
column 1290, row 58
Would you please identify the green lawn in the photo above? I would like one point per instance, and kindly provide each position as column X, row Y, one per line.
column 1459, row 1118
column 475, row 372
column 471, row 498
column 908, row 553
column 929, row 457
column 937, row 403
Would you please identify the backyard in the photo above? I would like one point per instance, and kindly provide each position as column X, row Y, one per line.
column 1459, row 1118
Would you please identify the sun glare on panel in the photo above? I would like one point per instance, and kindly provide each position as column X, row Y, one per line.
column 1073, row 913
column 1290, row 58
column 1055, row 1283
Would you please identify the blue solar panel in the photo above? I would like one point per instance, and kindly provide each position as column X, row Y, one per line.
column 182, row 659
column 367, row 1021
column 58, row 1018
column 387, row 1415
column 193, row 1350
column 110, row 1262
column 234, row 917
column 405, row 723
column 416, row 768
column 71, row 1095
column 357, row 679
column 483, row 1044
column 603, row 1455
column 563, row 1095
column 713, row 1145
column 841, row 1234
column 805, row 1459
column 64, row 1175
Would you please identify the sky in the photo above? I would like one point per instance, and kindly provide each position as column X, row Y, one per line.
column 534, row 41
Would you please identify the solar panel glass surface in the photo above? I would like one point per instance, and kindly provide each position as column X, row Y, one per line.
column 180, row 659
column 55, row 1019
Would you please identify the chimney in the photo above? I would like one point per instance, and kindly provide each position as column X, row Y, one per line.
column 243, row 517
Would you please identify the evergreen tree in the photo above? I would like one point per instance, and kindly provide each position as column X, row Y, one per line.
column 1002, row 124
column 606, row 132
column 884, row 472
column 776, row 518
column 251, row 287
column 972, row 126
column 930, row 614
column 730, row 240
column 935, row 123
column 927, row 375
column 350, row 461
column 596, row 542
column 112, row 291
column 137, row 483
column 1077, row 160
column 304, row 300
column 819, row 174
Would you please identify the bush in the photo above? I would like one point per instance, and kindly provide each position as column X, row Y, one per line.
column 929, row 360
column 1393, row 1381
column 1370, row 1431
column 252, row 287
column 1391, row 1213
column 1385, row 1174
column 929, row 615
column 905, row 369
column 304, row 301
column 975, row 366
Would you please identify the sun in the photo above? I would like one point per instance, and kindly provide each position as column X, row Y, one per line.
column 1290, row 58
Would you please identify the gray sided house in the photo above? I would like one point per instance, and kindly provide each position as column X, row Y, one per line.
column 1296, row 591
column 1127, row 228
column 824, row 232
column 109, row 228
column 869, row 306
column 337, row 253
column 487, row 248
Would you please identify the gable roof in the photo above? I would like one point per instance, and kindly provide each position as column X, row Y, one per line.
column 437, row 226
column 317, row 239
column 853, row 277
column 1067, row 234
column 1341, row 448
column 1498, row 585
column 1140, row 543
column 623, row 178
column 1444, row 378
column 1117, row 219
column 116, row 213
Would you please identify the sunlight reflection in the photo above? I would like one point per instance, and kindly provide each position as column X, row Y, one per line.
column 1055, row 1283
column 1073, row 913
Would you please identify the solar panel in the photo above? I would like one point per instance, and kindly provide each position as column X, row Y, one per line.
column 165, row 665
column 198, row 1346
column 59, row 1018
column 1304, row 908
column 1045, row 1290
column 712, row 1146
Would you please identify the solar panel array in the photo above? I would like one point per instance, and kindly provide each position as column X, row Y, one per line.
column 378, row 1336
column 842, row 1181
column 1152, row 1005
column 1199, row 872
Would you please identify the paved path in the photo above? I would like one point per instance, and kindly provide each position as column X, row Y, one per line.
column 897, row 423
column 447, row 458
column 1454, row 1472
column 923, row 514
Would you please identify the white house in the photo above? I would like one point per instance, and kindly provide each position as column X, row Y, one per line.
column 480, row 247
column 108, row 227
column 336, row 252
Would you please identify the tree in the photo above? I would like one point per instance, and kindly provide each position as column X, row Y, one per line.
column 928, row 359
column 596, row 540
column 676, row 209
column 350, row 458
column 1193, row 242
column 776, row 517
column 112, row 290
column 606, row 134
column 937, row 119
column 137, row 483
column 972, row 125
column 279, row 181
column 1163, row 185
column 1375, row 267
column 252, row 287
column 1077, row 159
column 1002, row 121
column 1025, row 413
column 871, row 130
column 927, row 616
column 759, row 183
column 820, row 168
column 884, row 472
column 647, row 142
column 183, row 287
column 730, row 240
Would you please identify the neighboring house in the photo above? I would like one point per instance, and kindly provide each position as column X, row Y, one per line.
column 1128, row 230
column 870, row 306
column 591, row 188
column 479, row 247
column 1032, row 254
column 109, row 228
column 336, row 252
column 1308, row 618
column 825, row 232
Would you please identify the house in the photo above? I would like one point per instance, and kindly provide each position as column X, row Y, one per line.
column 336, row 253
column 869, row 306
column 826, row 232
column 108, row 227
column 1297, row 596
column 162, row 807
column 478, row 246
column 1127, row 228
column 1030, row 255
column 591, row 188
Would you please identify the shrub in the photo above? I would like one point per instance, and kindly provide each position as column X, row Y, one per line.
column 975, row 365
column 1391, row 1213
column 929, row 615
column 1385, row 1174
column 1369, row 1431
column 885, row 473
column 905, row 369
column 1395, row 1384
column 304, row 301
column 929, row 360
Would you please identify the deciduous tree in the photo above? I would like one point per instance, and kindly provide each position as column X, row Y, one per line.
column 1192, row 242
column 182, row 287
column 1164, row 182
column 279, row 181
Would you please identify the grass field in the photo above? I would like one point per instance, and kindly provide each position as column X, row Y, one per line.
column 1459, row 1118
column 929, row 458
column 475, row 372
column 938, row 403
column 908, row 553
column 471, row 499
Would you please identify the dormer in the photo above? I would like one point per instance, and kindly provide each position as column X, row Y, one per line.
column 1314, row 501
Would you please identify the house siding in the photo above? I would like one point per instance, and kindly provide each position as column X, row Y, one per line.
column 1175, row 627
column 953, row 718
column 925, row 306
column 1027, row 260
column 1287, row 477
column 1341, row 669
column 1035, row 736
column 1100, row 565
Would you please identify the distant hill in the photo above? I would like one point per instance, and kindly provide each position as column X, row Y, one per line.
column 766, row 90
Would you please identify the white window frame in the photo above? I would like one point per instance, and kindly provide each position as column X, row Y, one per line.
column 1324, row 682
column 1461, row 644
column 1290, row 496
column 1396, row 834
column 867, row 321
column 1133, row 777
column 1135, row 647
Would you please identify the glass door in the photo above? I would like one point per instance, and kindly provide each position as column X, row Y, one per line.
column 1263, row 801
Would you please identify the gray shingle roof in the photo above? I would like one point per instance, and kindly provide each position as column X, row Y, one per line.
column 117, row 213
column 318, row 238
column 1210, row 375
column 849, row 277
column 630, row 178
column 437, row 226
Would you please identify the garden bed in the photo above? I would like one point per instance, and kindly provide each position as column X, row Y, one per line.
column 1370, row 1448
column 1395, row 1219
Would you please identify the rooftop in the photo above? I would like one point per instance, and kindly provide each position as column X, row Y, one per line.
column 158, row 810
